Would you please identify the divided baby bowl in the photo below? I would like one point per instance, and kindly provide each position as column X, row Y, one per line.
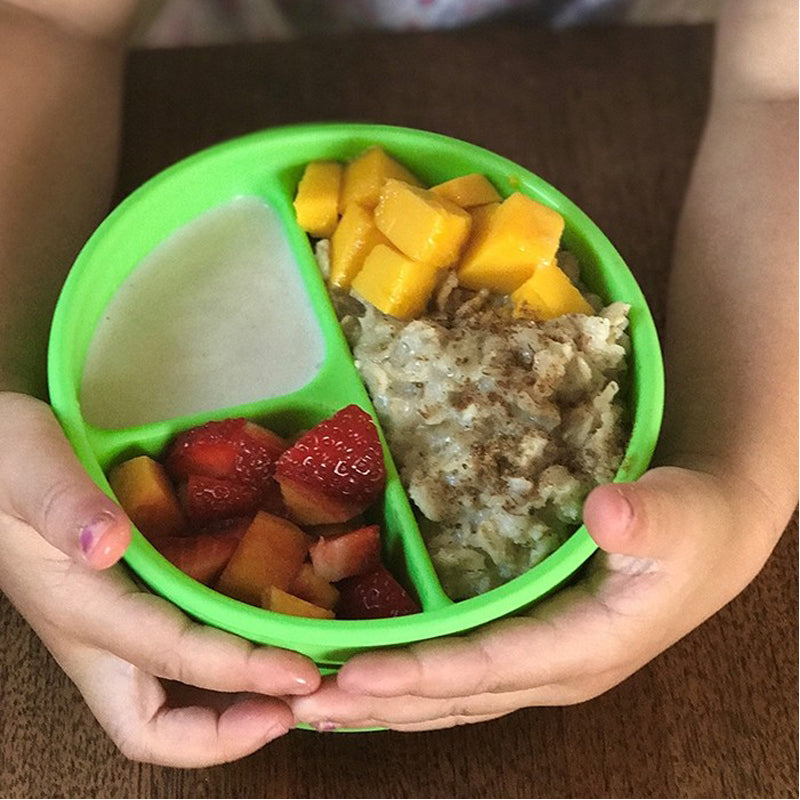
column 266, row 167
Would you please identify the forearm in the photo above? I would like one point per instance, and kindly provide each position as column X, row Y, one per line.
column 60, row 94
column 731, row 344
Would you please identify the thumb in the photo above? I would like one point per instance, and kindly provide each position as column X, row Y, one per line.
column 43, row 484
column 653, row 517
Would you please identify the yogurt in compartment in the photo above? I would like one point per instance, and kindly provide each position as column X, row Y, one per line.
column 215, row 316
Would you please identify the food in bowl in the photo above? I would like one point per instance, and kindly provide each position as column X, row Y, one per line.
column 496, row 376
column 269, row 522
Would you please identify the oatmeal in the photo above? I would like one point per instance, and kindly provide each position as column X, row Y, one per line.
column 499, row 426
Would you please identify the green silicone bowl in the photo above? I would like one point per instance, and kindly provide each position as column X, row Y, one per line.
column 267, row 166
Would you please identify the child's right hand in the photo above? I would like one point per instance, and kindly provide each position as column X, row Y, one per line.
column 117, row 642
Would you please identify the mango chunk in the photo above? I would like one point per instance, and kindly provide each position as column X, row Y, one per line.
column 549, row 293
column 316, row 203
column 421, row 225
column 269, row 554
column 354, row 237
column 144, row 491
column 364, row 177
column 519, row 236
column 467, row 191
column 394, row 283
column 275, row 599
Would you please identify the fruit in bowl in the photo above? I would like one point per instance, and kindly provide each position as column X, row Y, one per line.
column 269, row 522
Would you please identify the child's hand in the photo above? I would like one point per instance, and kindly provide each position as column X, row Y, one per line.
column 114, row 640
column 679, row 545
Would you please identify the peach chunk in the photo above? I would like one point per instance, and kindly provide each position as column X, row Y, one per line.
column 275, row 599
column 145, row 493
column 269, row 554
column 309, row 586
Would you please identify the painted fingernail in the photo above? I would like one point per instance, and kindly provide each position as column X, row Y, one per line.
column 92, row 533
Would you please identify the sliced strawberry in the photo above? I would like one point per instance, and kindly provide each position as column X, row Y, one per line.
column 334, row 471
column 202, row 557
column 235, row 449
column 373, row 595
column 209, row 449
column 351, row 553
column 206, row 499
column 259, row 450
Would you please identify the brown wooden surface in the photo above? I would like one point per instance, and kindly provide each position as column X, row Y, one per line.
column 611, row 117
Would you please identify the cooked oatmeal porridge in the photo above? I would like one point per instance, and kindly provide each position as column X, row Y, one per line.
column 499, row 426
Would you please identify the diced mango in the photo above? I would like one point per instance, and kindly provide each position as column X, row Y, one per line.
column 145, row 493
column 309, row 586
column 421, row 225
column 549, row 293
column 355, row 235
column 275, row 599
column 316, row 203
column 480, row 219
column 519, row 236
column 269, row 554
column 364, row 177
column 394, row 283
column 467, row 191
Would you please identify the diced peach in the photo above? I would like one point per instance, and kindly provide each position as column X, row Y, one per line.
column 354, row 237
column 310, row 506
column 549, row 293
column 519, row 236
column 467, row 191
column 144, row 491
column 395, row 283
column 364, row 177
column 269, row 554
column 420, row 224
column 275, row 599
column 316, row 203
column 307, row 585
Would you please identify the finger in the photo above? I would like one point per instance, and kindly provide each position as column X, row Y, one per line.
column 153, row 634
column 331, row 708
column 133, row 708
column 511, row 655
column 44, row 484
column 653, row 517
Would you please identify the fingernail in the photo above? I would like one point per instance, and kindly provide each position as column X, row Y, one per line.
column 325, row 726
column 92, row 533
column 625, row 510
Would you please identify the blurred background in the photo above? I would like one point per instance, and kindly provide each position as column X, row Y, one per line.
column 166, row 23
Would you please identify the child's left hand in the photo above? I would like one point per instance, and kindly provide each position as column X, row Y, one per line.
column 683, row 545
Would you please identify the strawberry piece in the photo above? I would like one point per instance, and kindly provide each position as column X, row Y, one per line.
column 234, row 449
column 202, row 557
column 373, row 595
column 209, row 449
column 335, row 470
column 351, row 553
column 206, row 499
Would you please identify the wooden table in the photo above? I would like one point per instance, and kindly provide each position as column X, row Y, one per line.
column 612, row 117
